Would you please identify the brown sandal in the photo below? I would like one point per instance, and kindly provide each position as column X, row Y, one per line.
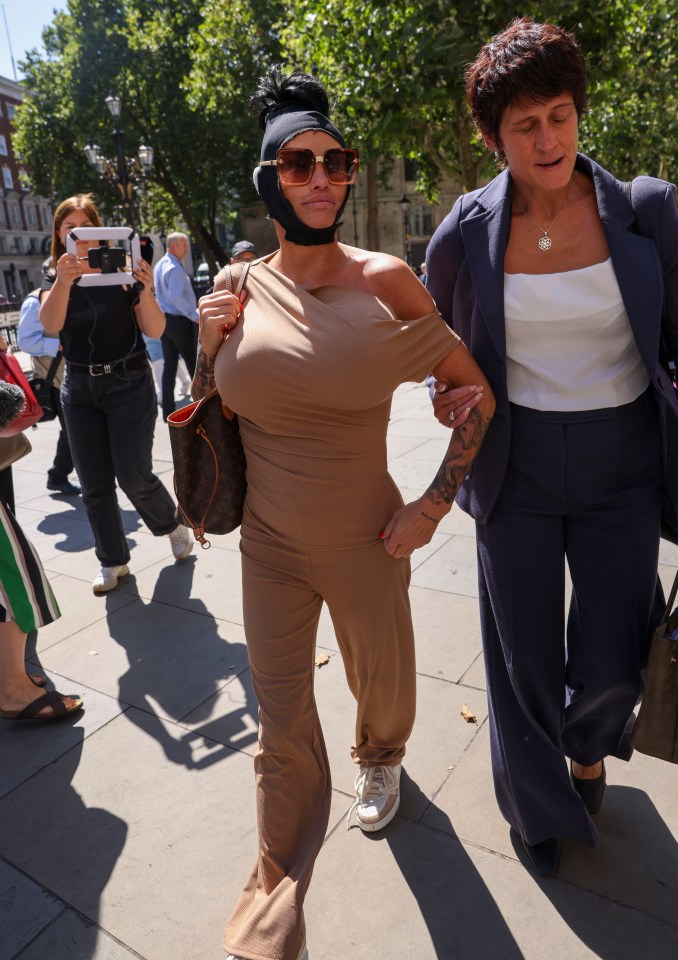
column 53, row 700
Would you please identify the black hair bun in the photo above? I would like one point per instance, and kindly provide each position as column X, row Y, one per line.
column 277, row 89
column 12, row 402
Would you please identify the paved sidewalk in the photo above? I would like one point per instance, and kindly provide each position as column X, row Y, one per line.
column 129, row 832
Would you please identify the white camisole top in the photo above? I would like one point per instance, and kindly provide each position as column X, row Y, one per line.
column 569, row 341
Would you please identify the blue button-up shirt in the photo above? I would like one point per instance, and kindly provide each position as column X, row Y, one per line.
column 173, row 289
column 31, row 336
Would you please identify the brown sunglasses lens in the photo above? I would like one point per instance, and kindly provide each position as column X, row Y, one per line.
column 295, row 167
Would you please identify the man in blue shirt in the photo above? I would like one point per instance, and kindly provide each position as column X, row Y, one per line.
column 175, row 295
column 32, row 339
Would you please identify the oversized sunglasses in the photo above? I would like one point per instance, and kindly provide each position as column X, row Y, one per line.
column 296, row 166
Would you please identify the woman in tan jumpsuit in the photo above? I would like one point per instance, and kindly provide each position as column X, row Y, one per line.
column 327, row 334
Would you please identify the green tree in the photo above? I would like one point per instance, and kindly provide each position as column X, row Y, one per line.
column 157, row 56
column 632, row 126
column 397, row 68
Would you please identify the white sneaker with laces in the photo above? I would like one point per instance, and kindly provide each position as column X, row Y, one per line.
column 181, row 542
column 107, row 578
column 377, row 797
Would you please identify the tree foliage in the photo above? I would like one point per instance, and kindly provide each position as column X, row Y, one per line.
column 160, row 59
column 398, row 67
column 632, row 127
column 185, row 69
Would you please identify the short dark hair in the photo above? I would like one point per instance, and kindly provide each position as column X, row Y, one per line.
column 526, row 61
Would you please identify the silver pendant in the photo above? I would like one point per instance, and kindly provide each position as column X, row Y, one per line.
column 545, row 243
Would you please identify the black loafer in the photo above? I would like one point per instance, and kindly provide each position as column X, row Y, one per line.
column 544, row 856
column 66, row 487
column 591, row 791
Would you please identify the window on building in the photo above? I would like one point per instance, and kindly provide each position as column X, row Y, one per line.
column 411, row 169
column 14, row 217
column 30, row 214
column 3, row 146
column 7, row 181
column 2, row 213
column 422, row 224
column 11, row 110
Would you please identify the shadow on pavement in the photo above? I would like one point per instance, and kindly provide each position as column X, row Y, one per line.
column 178, row 660
column 635, row 863
column 463, row 919
column 44, row 848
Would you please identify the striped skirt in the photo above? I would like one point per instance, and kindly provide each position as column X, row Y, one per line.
column 25, row 594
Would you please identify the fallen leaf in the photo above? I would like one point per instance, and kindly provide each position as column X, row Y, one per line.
column 468, row 715
column 322, row 659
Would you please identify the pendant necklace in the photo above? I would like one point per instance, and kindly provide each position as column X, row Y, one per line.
column 545, row 242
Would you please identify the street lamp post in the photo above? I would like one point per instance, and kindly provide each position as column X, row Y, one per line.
column 125, row 172
column 405, row 207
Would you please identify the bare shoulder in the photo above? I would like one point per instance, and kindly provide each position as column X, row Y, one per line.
column 391, row 280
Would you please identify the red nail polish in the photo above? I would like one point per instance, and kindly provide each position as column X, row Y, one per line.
column 381, row 535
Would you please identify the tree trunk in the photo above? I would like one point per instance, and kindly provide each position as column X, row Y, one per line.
column 468, row 163
column 207, row 243
column 372, row 206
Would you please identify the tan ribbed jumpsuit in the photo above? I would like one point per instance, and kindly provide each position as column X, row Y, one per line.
column 311, row 375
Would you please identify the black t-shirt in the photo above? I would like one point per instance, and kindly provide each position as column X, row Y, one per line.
column 100, row 323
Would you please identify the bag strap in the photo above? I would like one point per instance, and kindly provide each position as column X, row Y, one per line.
column 672, row 597
column 53, row 367
column 245, row 268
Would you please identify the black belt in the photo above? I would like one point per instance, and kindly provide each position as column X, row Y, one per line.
column 135, row 361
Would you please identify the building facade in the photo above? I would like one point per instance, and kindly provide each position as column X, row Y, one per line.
column 25, row 219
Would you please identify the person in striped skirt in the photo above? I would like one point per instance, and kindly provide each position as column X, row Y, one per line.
column 26, row 603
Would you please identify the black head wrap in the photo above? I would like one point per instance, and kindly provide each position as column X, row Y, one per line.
column 281, row 126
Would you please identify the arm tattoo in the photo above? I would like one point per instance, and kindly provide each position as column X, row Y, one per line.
column 461, row 453
column 203, row 379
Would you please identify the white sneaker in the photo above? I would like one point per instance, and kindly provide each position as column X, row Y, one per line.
column 181, row 542
column 377, row 797
column 302, row 956
column 107, row 578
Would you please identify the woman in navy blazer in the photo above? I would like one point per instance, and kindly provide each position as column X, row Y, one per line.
column 558, row 283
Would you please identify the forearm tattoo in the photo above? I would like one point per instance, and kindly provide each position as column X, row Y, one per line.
column 203, row 379
column 461, row 453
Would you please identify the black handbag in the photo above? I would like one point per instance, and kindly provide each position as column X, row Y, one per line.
column 209, row 461
column 42, row 389
column 656, row 729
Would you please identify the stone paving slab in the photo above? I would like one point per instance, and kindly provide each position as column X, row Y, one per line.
column 161, row 873
column 25, row 910
column 159, row 658
column 25, row 750
column 454, row 569
column 636, row 859
column 72, row 938
column 419, row 894
column 80, row 608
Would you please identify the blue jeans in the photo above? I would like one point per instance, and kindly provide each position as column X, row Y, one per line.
column 110, row 421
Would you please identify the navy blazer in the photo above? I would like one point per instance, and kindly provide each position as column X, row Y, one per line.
column 465, row 277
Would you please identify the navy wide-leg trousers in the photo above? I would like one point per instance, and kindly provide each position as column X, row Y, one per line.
column 584, row 489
